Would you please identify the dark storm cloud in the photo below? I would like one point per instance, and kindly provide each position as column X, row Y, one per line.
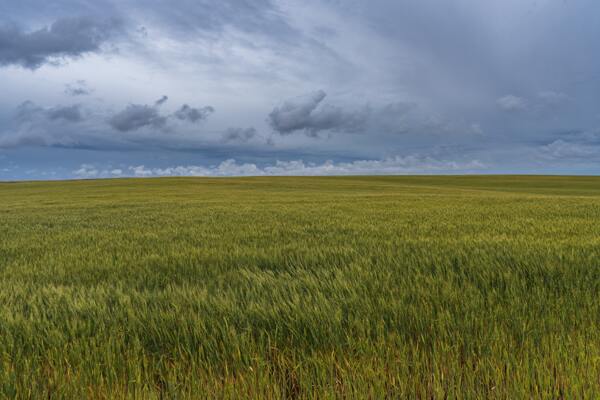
column 136, row 116
column 191, row 114
column 65, row 38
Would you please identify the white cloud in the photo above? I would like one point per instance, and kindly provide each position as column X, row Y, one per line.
column 512, row 103
column 476, row 129
column 543, row 101
column 413, row 164
column 560, row 149
column 88, row 171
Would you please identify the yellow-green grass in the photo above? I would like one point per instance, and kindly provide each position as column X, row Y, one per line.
column 337, row 287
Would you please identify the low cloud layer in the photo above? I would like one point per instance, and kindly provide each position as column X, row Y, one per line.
column 394, row 165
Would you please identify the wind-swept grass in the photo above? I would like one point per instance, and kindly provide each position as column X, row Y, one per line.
column 359, row 287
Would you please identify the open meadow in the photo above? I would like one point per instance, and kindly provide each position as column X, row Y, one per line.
column 301, row 287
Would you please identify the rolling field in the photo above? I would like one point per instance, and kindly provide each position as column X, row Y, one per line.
column 332, row 287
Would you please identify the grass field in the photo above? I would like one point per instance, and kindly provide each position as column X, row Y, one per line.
column 349, row 287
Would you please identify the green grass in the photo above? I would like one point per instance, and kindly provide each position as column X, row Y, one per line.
column 354, row 287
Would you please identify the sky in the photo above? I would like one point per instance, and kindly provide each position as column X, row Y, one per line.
column 117, row 88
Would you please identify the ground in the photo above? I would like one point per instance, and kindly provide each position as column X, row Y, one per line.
column 301, row 287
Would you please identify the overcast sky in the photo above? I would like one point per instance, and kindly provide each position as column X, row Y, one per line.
column 109, row 88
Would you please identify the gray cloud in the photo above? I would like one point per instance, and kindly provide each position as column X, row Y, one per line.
column 136, row 116
column 78, row 88
column 307, row 114
column 403, row 117
column 294, row 115
column 187, row 113
column 65, row 38
column 67, row 113
column 161, row 101
column 210, row 18
column 58, row 126
column 76, row 126
column 29, row 111
column 239, row 135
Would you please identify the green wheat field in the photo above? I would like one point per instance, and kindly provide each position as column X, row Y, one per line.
column 331, row 287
